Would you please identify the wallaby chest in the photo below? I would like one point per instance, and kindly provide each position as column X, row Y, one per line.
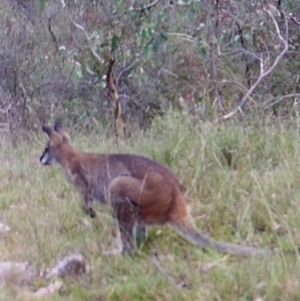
column 98, row 172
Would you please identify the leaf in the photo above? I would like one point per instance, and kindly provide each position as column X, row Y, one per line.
column 104, row 44
column 121, row 6
column 144, row 34
column 146, row 51
column 236, row 38
column 248, row 36
column 202, row 49
column 42, row 5
column 213, row 40
column 161, row 38
column 115, row 42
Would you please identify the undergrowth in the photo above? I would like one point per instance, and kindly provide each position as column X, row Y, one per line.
column 242, row 184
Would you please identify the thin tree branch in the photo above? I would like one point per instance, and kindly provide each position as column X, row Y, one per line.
column 215, row 81
column 126, row 69
column 213, row 60
column 5, row 111
column 144, row 7
column 52, row 34
column 263, row 73
column 88, row 39
column 244, row 57
column 119, row 123
column 240, row 85
column 178, row 77
column 280, row 99
column 294, row 19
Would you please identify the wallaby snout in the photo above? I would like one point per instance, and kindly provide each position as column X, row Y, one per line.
column 44, row 159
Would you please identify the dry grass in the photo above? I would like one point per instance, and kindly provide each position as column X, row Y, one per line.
column 243, row 186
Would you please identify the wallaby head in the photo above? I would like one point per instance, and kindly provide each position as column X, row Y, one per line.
column 58, row 138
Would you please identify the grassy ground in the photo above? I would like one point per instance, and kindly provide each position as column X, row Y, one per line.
column 243, row 186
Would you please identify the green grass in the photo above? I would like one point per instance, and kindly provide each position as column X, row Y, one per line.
column 243, row 186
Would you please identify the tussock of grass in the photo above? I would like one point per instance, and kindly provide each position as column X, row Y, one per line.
column 242, row 184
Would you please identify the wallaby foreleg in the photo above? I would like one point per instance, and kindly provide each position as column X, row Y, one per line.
column 83, row 189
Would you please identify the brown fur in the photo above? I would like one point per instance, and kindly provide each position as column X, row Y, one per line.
column 141, row 191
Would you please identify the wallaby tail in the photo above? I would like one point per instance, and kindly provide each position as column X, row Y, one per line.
column 189, row 232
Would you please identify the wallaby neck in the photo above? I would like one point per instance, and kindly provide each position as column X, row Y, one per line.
column 65, row 154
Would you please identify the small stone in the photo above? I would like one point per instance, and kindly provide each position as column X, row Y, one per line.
column 48, row 290
column 19, row 271
column 4, row 228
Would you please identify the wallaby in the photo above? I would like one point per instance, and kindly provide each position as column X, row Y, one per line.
column 141, row 192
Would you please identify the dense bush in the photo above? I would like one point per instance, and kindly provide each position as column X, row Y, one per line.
column 199, row 55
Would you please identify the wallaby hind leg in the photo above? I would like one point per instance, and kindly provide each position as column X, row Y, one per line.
column 124, row 212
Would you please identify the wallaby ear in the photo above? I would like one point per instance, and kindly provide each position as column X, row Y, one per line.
column 48, row 130
column 59, row 128
column 52, row 134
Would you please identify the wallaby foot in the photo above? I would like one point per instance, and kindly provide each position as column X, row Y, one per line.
column 87, row 207
column 91, row 212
